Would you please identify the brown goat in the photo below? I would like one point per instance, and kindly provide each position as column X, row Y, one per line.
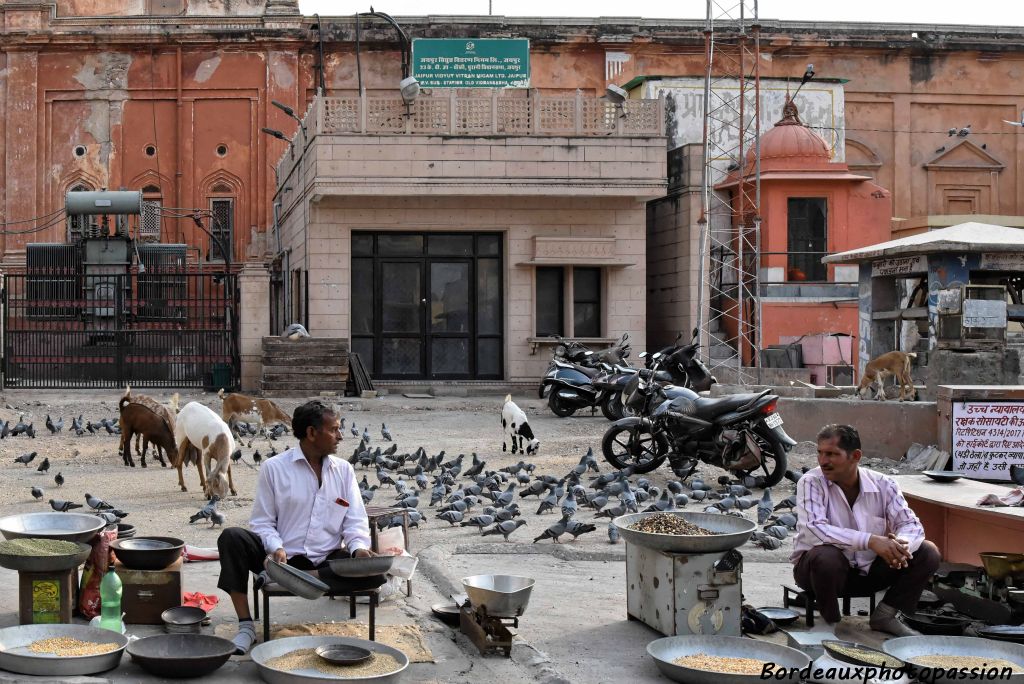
column 237, row 405
column 168, row 411
column 138, row 418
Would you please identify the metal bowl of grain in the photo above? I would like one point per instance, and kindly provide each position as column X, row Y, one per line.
column 293, row 660
column 27, row 554
column 941, row 653
column 76, row 527
column 60, row 650
column 724, row 659
column 726, row 531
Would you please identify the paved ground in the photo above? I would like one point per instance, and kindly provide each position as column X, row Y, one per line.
column 575, row 629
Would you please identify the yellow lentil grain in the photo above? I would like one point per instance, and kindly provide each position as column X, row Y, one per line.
column 307, row 659
column 946, row 662
column 712, row 663
column 66, row 646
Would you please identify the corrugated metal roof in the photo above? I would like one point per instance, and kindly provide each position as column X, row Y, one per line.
column 963, row 237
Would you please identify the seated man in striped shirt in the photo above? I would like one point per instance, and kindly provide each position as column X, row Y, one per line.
column 855, row 532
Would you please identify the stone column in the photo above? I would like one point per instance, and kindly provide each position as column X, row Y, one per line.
column 254, row 317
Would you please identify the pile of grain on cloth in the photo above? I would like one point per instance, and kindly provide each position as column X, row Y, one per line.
column 406, row 638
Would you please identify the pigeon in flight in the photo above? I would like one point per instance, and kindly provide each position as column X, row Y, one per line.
column 1016, row 123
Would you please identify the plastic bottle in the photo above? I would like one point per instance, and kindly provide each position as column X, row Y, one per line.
column 110, row 600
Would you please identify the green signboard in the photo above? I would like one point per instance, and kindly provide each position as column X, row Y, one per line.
column 471, row 62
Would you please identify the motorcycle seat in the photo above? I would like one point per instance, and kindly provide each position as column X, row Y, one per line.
column 710, row 407
column 589, row 372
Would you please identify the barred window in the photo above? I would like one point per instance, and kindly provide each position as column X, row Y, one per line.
column 149, row 226
column 221, row 225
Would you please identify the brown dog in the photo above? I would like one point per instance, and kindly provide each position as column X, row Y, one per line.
column 895, row 363
column 238, row 405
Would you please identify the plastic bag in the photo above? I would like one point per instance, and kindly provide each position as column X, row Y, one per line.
column 95, row 567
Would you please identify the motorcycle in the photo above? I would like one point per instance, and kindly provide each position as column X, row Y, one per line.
column 579, row 378
column 684, row 364
column 740, row 433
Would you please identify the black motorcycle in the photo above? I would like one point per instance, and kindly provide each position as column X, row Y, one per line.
column 741, row 433
column 572, row 351
column 684, row 365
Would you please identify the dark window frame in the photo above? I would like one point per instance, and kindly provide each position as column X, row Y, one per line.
column 803, row 261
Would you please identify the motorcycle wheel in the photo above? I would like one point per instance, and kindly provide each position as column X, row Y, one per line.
column 557, row 406
column 611, row 407
column 774, row 466
column 634, row 447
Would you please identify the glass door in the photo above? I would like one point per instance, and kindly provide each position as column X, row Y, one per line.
column 449, row 329
column 400, row 288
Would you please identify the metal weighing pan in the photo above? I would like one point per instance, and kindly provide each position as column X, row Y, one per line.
column 76, row 527
column 665, row 651
column 1014, row 633
column 780, row 616
column 361, row 567
column 912, row 648
column 46, row 563
column 851, row 651
column 279, row 647
column 181, row 656
column 1002, row 565
column 15, row 656
column 730, row 532
column 296, row 581
column 499, row 595
column 447, row 613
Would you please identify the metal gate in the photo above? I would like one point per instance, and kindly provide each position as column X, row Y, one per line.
column 67, row 327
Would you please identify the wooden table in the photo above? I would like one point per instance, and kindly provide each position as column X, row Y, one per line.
column 956, row 524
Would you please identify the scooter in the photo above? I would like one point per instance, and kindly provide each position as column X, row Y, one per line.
column 570, row 387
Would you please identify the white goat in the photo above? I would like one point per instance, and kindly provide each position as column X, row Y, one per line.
column 513, row 420
column 199, row 428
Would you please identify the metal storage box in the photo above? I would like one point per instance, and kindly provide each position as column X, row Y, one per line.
column 679, row 594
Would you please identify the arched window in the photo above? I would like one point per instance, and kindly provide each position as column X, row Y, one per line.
column 222, row 223
column 149, row 226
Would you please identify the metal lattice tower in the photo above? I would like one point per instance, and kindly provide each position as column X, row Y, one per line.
column 730, row 311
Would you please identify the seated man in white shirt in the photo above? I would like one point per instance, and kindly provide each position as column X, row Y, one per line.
column 856, row 533
column 308, row 509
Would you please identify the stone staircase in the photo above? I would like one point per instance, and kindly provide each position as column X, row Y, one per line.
column 306, row 366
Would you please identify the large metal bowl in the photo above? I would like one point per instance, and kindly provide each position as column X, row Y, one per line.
column 665, row 651
column 730, row 532
column 499, row 595
column 15, row 656
column 279, row 647
column 147, row 553
column 181, row 656
column 296, row 581
column 361, row 567
column 912, row 648
column 76, row 527
column 46, row 563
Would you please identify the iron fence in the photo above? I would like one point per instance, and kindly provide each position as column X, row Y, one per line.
column 65, row 328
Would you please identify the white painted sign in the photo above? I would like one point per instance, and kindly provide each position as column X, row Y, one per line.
column 988, row 437
column 999, row 261
column 984, row 313
column 898, row 266
column 821, row 107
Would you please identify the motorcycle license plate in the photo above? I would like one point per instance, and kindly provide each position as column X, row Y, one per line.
column 773, row 420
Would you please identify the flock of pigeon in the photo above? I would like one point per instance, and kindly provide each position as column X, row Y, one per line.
column 471, row 495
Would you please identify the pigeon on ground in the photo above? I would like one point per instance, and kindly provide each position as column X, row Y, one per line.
column 666, row 502
column 787, row 519
column 613, row 534
column 353, row 430
column 63, row 506
column 59, row 479
column 50, row 426
column 764, row 507
column 479, row 521
column 765, row 541
column 205, row 512
column 505, row 528
column 613, row 512
column 44, row 466
column 216, row 518
column 97, row 504
column 555, row 531
column 536, row 488
column 25, row 458
column 452, row 517
column 777, row 531
column 366, row 435
column 385, row 433
column 789, row 502
column 549, row 503
column 793, row 476
column 576, row 528
column 37, row 492
column 512, row 511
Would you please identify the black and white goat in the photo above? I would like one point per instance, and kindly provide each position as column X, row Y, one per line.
column 513, row 421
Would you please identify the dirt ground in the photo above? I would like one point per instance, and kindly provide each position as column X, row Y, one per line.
column 156, row 506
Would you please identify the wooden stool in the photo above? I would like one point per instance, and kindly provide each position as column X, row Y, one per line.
column 798, row 596
column 273, row 589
